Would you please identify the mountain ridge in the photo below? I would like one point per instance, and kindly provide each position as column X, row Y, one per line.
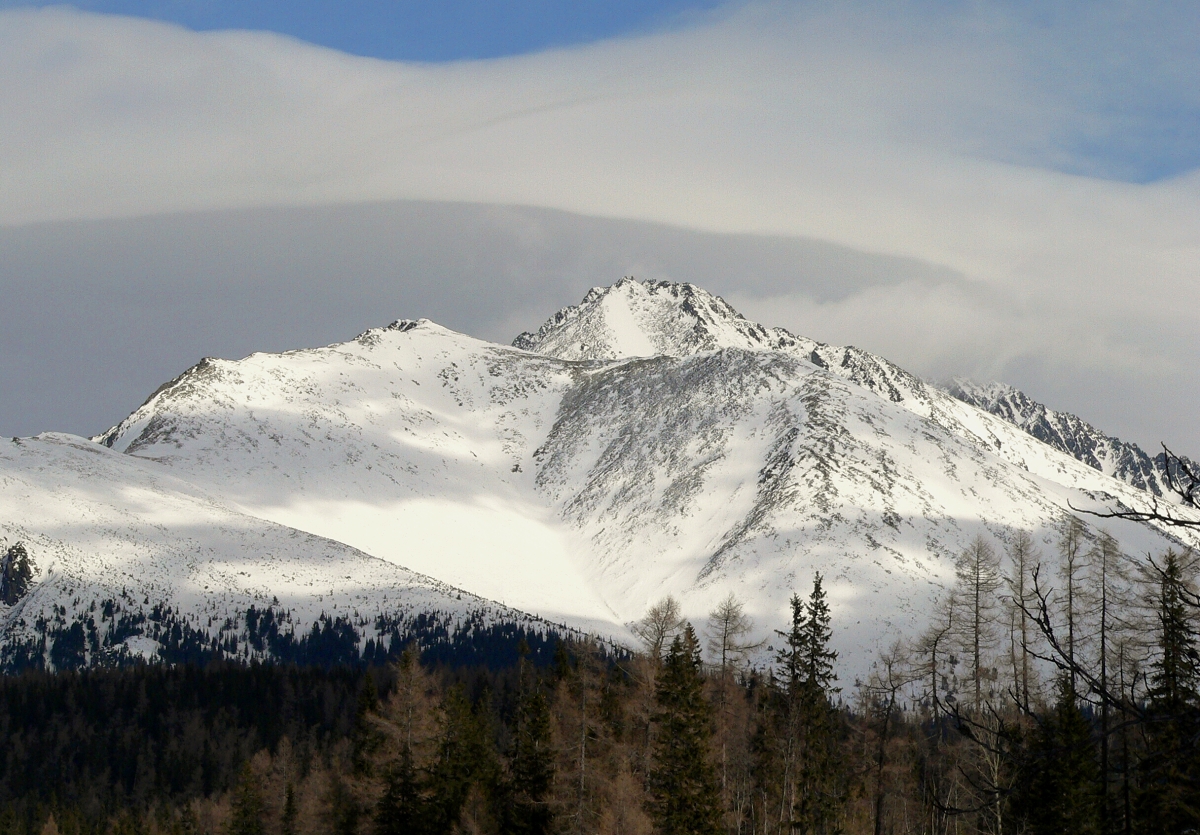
column 575, row 478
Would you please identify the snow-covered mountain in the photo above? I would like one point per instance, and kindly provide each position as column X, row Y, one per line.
column 1064, row 431
column 648, row 441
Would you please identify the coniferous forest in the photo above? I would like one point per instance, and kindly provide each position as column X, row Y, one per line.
column 1042, row 700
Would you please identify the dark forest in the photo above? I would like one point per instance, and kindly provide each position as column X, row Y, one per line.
column 1033, row 705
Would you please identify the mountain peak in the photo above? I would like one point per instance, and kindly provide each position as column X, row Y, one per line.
column 635, row 318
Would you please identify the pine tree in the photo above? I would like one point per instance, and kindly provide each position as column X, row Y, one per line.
column 288, row 822
column 247, row 814
column 820, row 781
column 401, row 810
column 1170, row 771
column 16, row 574
column 683, row 781
column 1059, row 795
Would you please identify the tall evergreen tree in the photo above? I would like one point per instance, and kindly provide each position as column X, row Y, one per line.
column 528, row 807
column 1059, row 794
column 799, row 762
column 790, row 656
column 344, row 810
column 247, row 813
column 1170, row 771
column 16, row 574
column 820, row 781
column 287, row 825
column 683, row 783
column 818, row 658
column 466, row 757
column 366, row 739
column 401, row 809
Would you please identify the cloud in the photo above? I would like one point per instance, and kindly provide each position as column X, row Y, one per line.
column 1011, row 152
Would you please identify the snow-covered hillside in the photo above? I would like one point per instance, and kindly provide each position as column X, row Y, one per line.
column 122, row 545
column 648, row 441
column 1064, row 431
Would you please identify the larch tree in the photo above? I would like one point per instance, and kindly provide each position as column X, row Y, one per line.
column 1022, row 559
column 728, row 628
column 659, row 626
column 1071, row 551
column 977, row 572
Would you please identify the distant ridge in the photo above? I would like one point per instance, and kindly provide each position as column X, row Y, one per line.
column 1073, row 435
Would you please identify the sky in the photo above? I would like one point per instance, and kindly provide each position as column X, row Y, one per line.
column 404, row 30
column 1003, row 191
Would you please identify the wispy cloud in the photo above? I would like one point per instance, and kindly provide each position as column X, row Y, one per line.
column 1042, row 154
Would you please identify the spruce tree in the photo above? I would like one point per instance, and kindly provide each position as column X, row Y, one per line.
column 344, row 811
column 16, row 574
column 366, row 739
column 288, row 823
column 790, row 656
column 818, row 658
column 683, row 782
column 400, row 810
column 820, row 781
column 247, row 813
column 1059, row 795
column 466, row 757
column 529, row 808
column 1170, row 771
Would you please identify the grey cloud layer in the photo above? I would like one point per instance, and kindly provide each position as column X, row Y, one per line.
column 937, row 137
column 99, row 313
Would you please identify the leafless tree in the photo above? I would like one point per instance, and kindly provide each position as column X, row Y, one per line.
column 1071, row 549
column 1022, row 558
column 893, row 673
column 728, row 626
column 659, row 626
column 978, row 574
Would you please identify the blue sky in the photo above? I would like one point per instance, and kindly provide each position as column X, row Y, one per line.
column 417, row 30
column 1116, row 62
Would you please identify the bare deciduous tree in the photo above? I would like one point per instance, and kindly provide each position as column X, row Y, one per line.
column 728, row 627
column 978, row 573
column 659, row 626
column 1022, row 557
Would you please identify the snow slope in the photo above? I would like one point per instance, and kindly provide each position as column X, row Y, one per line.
column 1064, row 431
column 648, row 441
column 412, row 443
column 103, row 526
